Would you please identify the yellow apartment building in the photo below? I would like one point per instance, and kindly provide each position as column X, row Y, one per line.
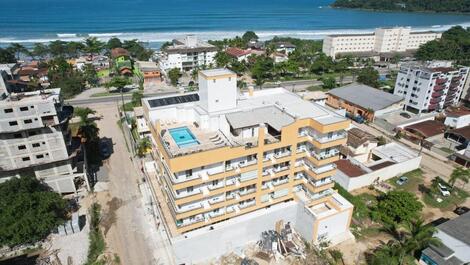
column 220, row 154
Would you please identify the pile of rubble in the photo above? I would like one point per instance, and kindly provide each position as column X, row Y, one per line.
column 280, row 243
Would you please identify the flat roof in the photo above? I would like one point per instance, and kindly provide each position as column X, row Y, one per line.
column 52, row 94
column 395, row 152
column 271, row 115
column 365, row 96
column 217, row 72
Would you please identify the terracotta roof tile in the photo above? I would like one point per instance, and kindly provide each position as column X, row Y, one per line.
column 349, row 168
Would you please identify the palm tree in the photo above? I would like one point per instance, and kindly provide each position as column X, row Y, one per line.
column 143, row 145
column 459, row 173
column 420, row 236
column 18, row 49
column 93, row 45
column 88, row 128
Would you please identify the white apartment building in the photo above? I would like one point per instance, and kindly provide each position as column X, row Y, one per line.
column 383, row 40
column 35, row 139
column 187, row 54
column 430, row 86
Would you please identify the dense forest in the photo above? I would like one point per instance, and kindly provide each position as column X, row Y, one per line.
column 460, row 6
column 454, row 45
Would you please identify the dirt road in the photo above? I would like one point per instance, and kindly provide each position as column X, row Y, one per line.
column 128, row 232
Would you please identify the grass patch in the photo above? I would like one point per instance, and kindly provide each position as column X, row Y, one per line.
column 108, row 93
column 415, row 178
column 447, row 150
column 316, row 88
column 103, row 73
column 97, row 244
column 361, row 210
column 457, row 196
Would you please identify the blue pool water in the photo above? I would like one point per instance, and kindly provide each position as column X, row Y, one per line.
column 183, row 137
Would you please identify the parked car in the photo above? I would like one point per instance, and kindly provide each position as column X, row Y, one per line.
column 405, row 115
column 402, row 180
column 461, row 210
column 444, row 190
column 104, row 149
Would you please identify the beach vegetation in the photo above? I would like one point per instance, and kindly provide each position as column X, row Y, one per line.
column 457, row 6
column 7, row 56
column 454, row 45
column 29, row 211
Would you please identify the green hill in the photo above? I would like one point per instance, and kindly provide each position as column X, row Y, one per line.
column 459, row 6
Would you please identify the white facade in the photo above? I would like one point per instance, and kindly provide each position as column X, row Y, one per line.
column 187, row 54
column 457, row 121
column 34, row 139
column 218, row 90
column 403, row 159
column 383, row 40
column 427, row 89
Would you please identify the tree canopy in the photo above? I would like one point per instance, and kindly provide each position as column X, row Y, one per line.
column 398, row 206
column 62, row 74
column 459, row 6
column 369, row 76
column 174, row 75
column 7, row 56
column 454, row 45
column 28, row 211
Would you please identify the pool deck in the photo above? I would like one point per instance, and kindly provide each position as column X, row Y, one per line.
column 207, row 139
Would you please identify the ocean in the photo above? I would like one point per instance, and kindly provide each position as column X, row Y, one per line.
column 156, row 21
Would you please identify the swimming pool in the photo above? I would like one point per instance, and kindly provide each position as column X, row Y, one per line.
column 183, row 137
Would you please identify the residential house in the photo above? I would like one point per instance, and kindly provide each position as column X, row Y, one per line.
column 382, row 163
column 121, row 61
column 285, row 47
column 237, row 53
column 455, row 248
column 363, row 102
column 457, row 117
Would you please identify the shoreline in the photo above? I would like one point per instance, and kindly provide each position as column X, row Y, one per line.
column 156, row 39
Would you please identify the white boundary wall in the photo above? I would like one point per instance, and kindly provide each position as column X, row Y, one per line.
column 234, row 234
column 379, row 175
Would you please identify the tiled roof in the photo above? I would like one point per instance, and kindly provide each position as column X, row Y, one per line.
column 358, row 137
column 236, row 52
column 349, row 168
column 457, row 112
column 117, row 52
column 463, row 132
column 427, row 128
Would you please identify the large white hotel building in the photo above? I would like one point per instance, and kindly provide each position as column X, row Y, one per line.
column 383, row 40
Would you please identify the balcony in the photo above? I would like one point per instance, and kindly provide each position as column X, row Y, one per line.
column 441, row 81
column 436, row 94
column 247, row 204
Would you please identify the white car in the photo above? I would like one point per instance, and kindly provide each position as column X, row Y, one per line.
column 444, row 190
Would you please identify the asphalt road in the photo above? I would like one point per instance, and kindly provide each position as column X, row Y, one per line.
column 290, row 85
column 108, row 99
